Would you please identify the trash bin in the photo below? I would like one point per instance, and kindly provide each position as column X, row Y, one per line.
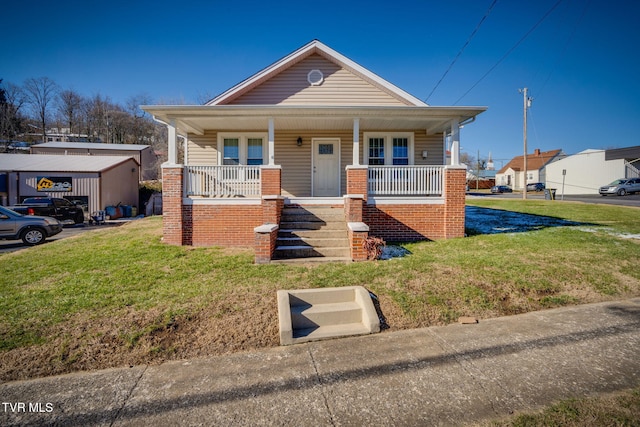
column 549, row 193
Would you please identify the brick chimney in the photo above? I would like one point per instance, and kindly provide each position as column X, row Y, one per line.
column 536, row 152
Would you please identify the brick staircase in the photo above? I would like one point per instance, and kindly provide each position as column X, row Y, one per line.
column 318, row 314
column 312, row 233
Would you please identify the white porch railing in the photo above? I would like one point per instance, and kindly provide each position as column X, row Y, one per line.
column 406, row 180
column 222, row 181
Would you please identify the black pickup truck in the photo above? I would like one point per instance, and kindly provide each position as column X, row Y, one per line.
column 60, row 209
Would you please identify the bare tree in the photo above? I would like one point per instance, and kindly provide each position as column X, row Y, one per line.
column 69, row 109
column 39, row 94
column 11, row 101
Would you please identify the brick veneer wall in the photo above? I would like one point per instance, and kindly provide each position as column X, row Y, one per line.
column 455, row 185
column 403, row 222
column 172, row 224
column 224, row 225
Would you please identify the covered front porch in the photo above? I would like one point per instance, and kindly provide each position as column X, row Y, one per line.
column 386, row 167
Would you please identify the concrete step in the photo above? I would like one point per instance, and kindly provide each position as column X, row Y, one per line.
column 315, row 314
column 313, row 241
column 288, row 252
column 312, row 260
column 320, row 234
column 329, row 331
column 313, row 225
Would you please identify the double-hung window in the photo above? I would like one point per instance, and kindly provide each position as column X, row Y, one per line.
column 242, row 149
column 388, row 149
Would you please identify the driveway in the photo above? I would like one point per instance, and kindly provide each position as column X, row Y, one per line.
column 68, row 231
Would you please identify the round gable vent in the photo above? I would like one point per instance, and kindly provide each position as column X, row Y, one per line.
column 315, row 77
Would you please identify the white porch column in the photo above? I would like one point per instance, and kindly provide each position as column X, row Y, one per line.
column 455, row 142
column 356, row 142
column 272, row 144
column 172, row 137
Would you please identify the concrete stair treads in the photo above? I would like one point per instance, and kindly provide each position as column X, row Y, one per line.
column 312, row 232
column 317, row 314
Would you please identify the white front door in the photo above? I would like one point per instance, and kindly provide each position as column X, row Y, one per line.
column 326, row 167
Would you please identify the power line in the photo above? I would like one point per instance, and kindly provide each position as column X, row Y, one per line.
column 473, row 33
column 510, row 50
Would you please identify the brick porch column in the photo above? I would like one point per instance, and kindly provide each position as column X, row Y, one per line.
column 272, row 209
column 455, row 184
column 354, row 203
column 270, row 180
column 172, row 220
column 357, row 180
column 358, row 233
column 265, row 245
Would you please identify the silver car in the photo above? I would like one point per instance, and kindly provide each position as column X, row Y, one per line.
column 621, row 187
column 33, row 230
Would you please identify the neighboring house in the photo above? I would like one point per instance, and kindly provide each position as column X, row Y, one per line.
column 143, row 154
column 587, row 171
column 314, row 128
column 513, row 174
column 96, row 182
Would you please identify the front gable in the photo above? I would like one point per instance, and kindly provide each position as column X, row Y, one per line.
column 317, row 81
column 319, row 76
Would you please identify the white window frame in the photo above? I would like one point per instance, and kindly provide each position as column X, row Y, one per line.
column 388, row 146
column 243, row 149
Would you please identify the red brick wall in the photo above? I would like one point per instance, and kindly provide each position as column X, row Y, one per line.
column 356, row 239
column 357, row 181
column 405, row 222
column 224, row 225
column 455, row 191
column 172, row 205
column 402, row 222
column 270, row 181
column 265, row 245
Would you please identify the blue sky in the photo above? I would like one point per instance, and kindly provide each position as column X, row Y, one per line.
column 581, row 63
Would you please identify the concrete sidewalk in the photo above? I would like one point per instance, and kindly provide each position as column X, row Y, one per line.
column 450, row 375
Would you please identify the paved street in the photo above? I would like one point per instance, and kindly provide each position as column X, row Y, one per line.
column 630, row 200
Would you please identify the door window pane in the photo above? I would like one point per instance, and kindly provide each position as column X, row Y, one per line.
column 325, row 149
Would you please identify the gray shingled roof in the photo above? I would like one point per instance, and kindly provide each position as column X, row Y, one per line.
column 93, row 146
column 58, row 163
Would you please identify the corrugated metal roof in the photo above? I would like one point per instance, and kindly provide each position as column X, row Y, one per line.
column 93, row 146
column 57, row 163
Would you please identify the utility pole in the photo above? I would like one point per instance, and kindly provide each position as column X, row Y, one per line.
column 478, row 174
column 527, row 103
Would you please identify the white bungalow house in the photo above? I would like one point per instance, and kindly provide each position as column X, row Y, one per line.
column 311, row 140
column 513, row 173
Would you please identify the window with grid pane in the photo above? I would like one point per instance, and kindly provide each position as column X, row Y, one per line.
column 376, row 151
column 254, row 151
column 400, row 151
column 231, row 151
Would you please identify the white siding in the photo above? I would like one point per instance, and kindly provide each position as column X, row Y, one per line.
column 202, row 150
column 587, row 171
column 340, row 87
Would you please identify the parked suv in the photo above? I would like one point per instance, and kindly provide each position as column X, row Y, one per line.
column 621, row 187
column 32, row 229
column 538, row 186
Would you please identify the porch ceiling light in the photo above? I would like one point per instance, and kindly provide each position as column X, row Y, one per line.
column 299, row 141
